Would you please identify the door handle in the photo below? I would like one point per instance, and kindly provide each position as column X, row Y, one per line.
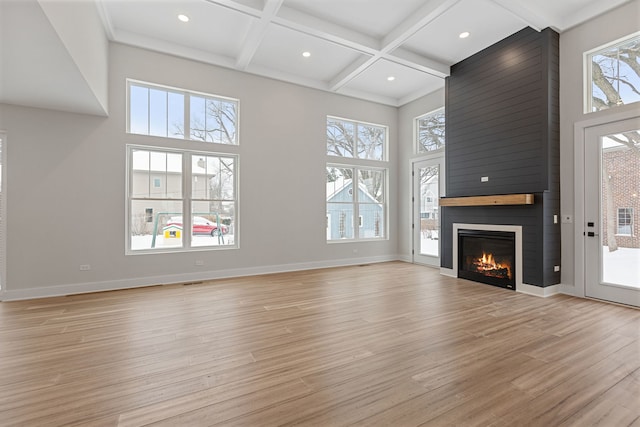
column 591, row 234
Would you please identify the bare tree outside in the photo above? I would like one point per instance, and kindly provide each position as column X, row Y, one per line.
column 211, row 120
column 615, row 75
column 431, row 132
column 361, row 141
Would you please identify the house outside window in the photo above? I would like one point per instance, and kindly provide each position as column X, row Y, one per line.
column 613, row 76
column 158, row 217
column 356, row 180
column 625, row 221
column 430, row 132
column 180, row 199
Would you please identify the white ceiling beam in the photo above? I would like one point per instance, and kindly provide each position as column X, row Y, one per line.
column 257, row 32
column 414, row 23
column 238, row 7
column 313, row 26
column 418, row 62
column 349, row 72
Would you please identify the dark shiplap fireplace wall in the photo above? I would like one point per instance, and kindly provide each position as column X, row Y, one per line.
column 502, row 123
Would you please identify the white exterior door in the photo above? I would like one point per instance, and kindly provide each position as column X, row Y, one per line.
column 612, row 207
column 428, row 187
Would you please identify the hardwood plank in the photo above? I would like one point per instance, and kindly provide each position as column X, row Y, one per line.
column 384, row 344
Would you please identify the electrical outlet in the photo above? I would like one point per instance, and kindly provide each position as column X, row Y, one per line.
column 556, row 268
column 555, row 219
column 85, row 267
column 484, row 179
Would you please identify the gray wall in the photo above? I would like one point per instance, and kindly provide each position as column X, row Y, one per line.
column 66, row 184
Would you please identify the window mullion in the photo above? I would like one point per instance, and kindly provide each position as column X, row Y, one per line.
column 355, row 184
column 187, row 115
column 186, row 199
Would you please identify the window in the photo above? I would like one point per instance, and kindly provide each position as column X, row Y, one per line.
column 350, row 139
column 625, row 221
column 366, row 205
column 196, row 192
column 429, row 131
column 356, row 180
column 177, row 113
column 613, row 75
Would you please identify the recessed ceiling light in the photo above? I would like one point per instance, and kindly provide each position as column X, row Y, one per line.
column 306, row 54
column 183, row 18
column 391, row 78
column 464, row 35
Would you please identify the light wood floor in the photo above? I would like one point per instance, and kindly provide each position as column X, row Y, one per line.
column 386, row 344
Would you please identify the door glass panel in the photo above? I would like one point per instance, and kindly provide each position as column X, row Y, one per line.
column 620, row 232
column 429, row 212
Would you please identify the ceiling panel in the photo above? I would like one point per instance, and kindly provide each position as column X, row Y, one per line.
column 406, row 81
column 487, row 23
column 211, row 28
column 281, row 49
column 375, row 18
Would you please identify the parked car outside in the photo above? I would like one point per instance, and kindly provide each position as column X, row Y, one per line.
column 200, row 225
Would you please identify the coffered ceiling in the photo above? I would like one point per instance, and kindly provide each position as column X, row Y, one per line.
column 387, row 51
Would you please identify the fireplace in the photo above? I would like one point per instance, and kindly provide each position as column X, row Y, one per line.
column 487, row 256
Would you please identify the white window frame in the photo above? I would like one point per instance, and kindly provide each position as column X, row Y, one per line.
column 187, row 94
column 3, row 213
column 618, row 233
column 186, row 200
column 417, row 146
column 358, row 220
column 587, row 70
column 385, row 148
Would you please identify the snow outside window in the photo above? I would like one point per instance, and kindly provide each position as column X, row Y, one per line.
column 355, row 190
column 359, row 214
column 170, row 191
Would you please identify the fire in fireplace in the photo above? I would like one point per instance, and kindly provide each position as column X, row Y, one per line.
column 487, row 257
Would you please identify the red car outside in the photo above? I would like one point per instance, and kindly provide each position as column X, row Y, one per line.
column 200, row 225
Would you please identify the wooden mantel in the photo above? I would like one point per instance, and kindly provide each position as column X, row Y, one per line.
column 497, row 200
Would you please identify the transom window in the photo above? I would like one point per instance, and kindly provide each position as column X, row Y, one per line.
column 171, row 191
column 347, row 138
column 176, row 113
column 429, row 131
column 613, row 74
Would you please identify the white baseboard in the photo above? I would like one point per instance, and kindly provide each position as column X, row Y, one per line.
column 405, row 258
column 112, row 285
column 448, row 272
column 537, row 290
